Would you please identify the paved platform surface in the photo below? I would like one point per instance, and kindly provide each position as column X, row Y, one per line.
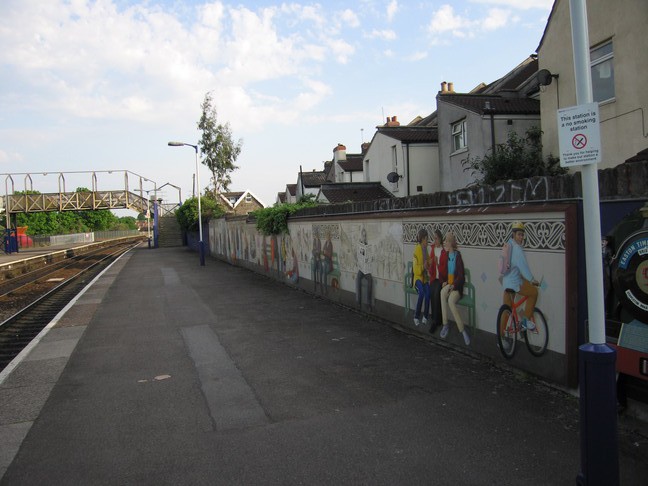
column 165, row 372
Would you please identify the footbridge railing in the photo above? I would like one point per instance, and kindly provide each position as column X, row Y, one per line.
column 135, row 193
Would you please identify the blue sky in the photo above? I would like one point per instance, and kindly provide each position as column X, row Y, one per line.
column 104, row 85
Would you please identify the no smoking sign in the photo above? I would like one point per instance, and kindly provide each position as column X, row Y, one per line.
column 579, row 135
column 579, row 141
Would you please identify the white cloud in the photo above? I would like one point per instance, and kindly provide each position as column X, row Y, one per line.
column 350, row 18
column 519, row 4
column 497, row 18
column 445, row 21
column 392, row 9
column 417, row 56
column 385, row 34
column 341, row 50
column 93, row 60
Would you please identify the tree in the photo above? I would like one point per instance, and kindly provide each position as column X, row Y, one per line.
column 187, row 214
column 218, row 149
column 66, row 222
column 518, row 158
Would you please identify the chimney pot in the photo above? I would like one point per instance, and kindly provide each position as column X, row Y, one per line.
column 444, row 87
column 451, row 88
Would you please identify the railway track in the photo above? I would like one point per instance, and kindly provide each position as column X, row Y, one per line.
column 31, row 302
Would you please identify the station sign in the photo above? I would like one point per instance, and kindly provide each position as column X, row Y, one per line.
column 579, row 135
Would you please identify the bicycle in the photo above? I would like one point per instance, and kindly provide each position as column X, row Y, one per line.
column 509, row 325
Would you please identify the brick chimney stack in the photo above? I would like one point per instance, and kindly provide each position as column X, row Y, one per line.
column 392, row 122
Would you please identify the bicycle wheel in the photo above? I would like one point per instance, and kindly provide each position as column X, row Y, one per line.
column 506, row 332
column 538, row 338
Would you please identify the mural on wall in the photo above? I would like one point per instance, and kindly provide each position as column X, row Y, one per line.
column 370, row 264
column 519, row 314
column 480, row 242
column 324, row 263
column 371, row 252
column 373, row 260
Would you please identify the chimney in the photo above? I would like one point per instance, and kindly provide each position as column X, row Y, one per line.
column 451, row 88
column 444, row 87
column 392, row 122
column 364, row 147
column 339, row 153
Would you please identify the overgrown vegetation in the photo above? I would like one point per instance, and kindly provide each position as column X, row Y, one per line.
column 518, row 158
column 187, row 214
column 67, row 222
column 274, row 220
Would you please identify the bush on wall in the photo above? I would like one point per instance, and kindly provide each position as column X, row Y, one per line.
column 274, row 220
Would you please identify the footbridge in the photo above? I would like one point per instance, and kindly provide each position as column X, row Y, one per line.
column 133, row 195
column 128, row 190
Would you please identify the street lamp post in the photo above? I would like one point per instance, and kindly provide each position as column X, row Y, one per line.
column 201, row 243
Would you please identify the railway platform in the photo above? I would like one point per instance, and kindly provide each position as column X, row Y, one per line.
column 166, row 372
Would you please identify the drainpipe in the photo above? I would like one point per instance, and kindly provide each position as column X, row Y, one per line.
column 491, row 111
column 408, row 169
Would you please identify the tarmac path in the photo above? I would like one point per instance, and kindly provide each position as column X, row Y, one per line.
column 189, row 375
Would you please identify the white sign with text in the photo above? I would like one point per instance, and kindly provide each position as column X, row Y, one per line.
column 579, row 135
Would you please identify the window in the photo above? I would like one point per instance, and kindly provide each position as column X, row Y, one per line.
column 248, row 198
column 602, row 58
column 459, row 135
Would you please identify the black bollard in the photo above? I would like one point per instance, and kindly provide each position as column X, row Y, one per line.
column 598, row 416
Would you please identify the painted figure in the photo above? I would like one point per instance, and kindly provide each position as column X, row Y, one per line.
column 452, row 276
column 364, row 258
column 317, row 258
column 520, row 278
column 327, row 263
column 435, row 281
column 420, row 281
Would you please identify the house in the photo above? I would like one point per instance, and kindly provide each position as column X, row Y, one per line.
column 618, row 46
column 291, row 193
column 471, row 124
column 342, row 192
column 409, row 152
column 287, row 196
column 345, row 167
column 240, row 203
column 309, row 183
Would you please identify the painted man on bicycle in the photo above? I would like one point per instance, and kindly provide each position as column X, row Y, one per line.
column 520, row 278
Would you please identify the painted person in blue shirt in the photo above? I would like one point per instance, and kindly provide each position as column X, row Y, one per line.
column 520, row 278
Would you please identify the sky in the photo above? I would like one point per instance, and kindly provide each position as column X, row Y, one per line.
column 104, row 85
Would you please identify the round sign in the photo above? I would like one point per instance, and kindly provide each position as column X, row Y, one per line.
column 579, row 141
column 630, row 274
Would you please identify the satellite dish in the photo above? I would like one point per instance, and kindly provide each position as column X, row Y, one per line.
column 544, row 77
column 393, row 177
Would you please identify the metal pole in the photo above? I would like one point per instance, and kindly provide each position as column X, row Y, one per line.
column 599, row 440
column 201, row 243
column 148, row 218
